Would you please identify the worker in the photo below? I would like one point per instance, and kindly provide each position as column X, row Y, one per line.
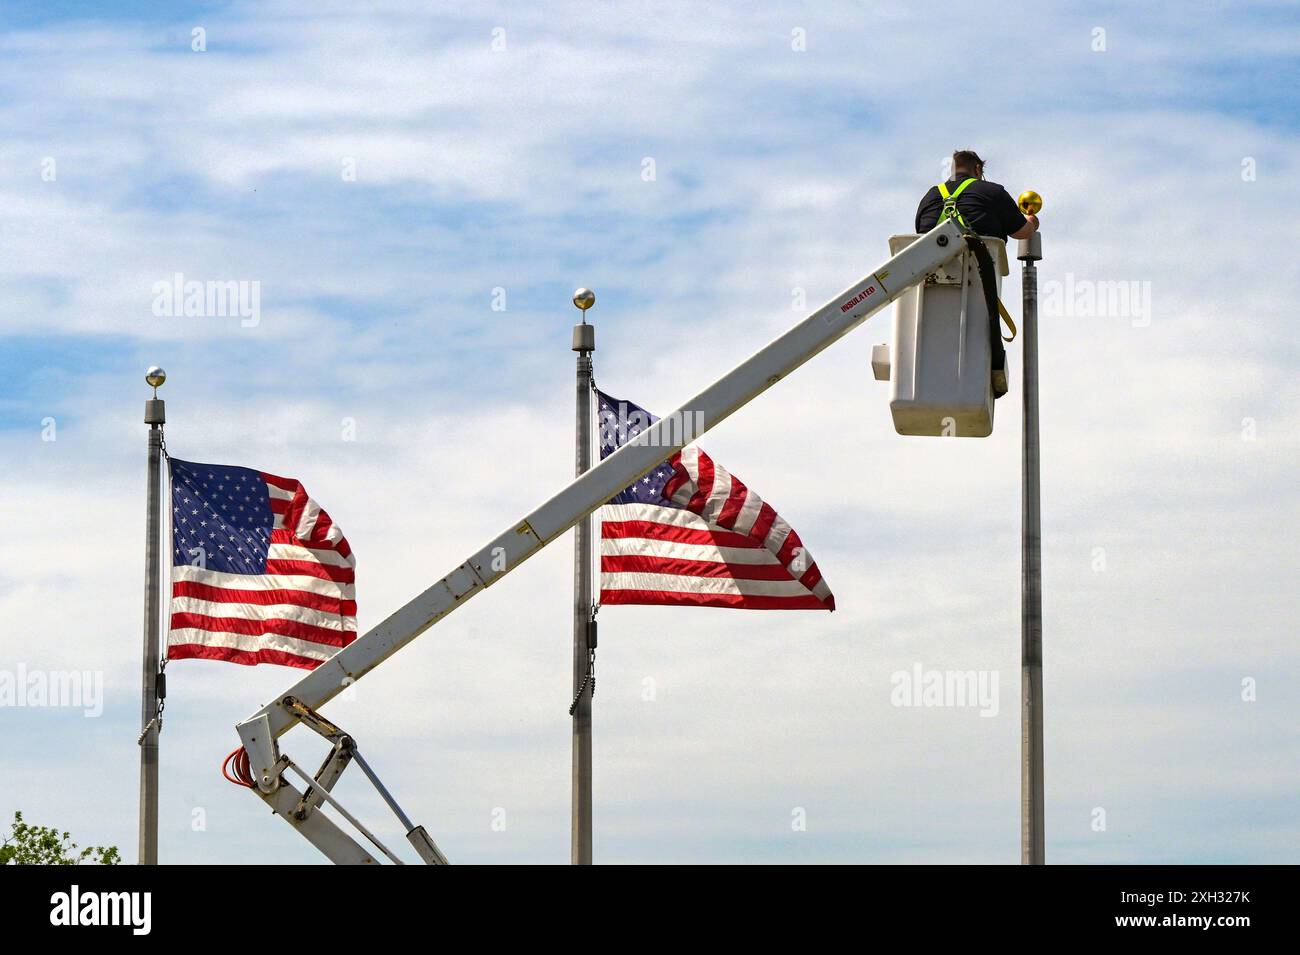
column 984, row 206
column 988, row 210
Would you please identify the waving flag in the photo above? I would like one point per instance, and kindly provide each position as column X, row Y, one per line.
column 260, row 573
column 690, row 534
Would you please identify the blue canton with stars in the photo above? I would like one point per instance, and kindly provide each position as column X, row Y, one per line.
column 221, row 517
column 620, row 422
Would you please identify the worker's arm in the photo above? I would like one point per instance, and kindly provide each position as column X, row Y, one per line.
column 1028, row 229
column 1014, row 222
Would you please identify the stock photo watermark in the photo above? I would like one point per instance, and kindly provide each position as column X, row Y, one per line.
column 626, row 425
column 191, row 298
column 67, row 689
column 1088, row 298
column 78, row 907
column 955, row 689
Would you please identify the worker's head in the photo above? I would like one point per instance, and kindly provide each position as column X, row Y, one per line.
column 966, row 164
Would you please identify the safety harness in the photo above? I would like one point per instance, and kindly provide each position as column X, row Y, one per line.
column 950, row 210
column 988, row 281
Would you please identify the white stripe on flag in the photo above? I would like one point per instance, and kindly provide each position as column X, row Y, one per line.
column 241, row 611
column 748, row 512
column 188, row 636
column 307, row 522
column 216, row 578
column 680, row 583
column 652, row 547
column 691, row 462
column 316, row 555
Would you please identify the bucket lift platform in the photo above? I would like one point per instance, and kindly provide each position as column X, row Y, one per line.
column 938, row 361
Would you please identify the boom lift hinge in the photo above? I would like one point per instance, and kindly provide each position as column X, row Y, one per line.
column 320, row 788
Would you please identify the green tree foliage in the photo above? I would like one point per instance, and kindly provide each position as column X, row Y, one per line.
column 40, row 845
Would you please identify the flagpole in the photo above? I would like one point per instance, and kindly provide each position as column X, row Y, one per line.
column 584, row 643
column 1031, row 570
column 155, row 416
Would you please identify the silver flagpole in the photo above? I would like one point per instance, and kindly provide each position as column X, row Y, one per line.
column 584, row 632
column 1031, row 566
column 155, row 415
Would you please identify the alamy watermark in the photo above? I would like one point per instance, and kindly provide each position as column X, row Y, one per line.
column 133, row 910
column 631, row 426
column 80, row 689
column 946, row 688
column 1089, row 298
column 192, row 298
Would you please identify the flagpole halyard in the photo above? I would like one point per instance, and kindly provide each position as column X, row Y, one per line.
column 155, row 416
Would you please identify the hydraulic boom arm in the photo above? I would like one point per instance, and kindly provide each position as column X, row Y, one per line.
column 530, row 534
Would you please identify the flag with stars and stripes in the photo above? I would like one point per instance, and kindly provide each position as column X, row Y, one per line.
column 260, row 574
column 690, row 534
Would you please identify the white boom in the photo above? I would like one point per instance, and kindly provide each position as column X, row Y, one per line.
column 530, row 534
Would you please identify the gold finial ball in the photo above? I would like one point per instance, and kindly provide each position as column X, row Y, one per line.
column 584, row 298
column 155, row 376
column 1030, row 202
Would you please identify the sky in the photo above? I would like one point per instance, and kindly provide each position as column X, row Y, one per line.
column 416, row 190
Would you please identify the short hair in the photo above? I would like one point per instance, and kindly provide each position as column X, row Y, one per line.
column 969, row 160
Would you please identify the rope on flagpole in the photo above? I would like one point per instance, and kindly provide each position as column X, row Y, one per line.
column 147, row 727
column 590, row 677
column 161, row 680
column 577, row 696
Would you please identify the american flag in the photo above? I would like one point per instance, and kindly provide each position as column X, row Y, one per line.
column 260, row 574
column 690, row 534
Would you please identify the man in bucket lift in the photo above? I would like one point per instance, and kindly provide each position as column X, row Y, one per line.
column 985, row 206
column 988, row 210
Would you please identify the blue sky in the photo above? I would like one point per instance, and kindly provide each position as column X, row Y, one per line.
column 1169, row 438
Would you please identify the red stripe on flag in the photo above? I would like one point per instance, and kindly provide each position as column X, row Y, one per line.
column 298, row 598
column 679, row 477
column 704, row 486
column 316, row 540
column 735, row 502
column 294, row 514
column 680, row 598
column 283, row 535
column 766, row 517
column 256, row 628
column 248, row 658
column 811, row 577
column 677, row 566
column 319, row 532
column 284, row 484
column 307, row 568
column 791, row 544
column 651, row 530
